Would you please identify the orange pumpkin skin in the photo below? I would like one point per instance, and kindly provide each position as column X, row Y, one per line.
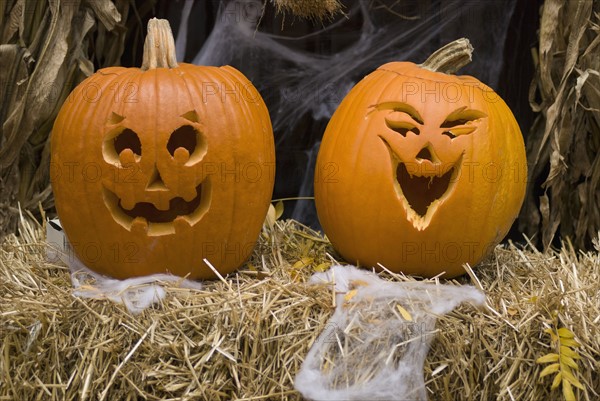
column 419, row 171
column 195, row 184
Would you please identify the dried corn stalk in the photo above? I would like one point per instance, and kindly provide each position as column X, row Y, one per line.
column 564, row 143
column 44, row 53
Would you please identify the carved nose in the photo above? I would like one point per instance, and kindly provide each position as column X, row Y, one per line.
column 424, row 154
column 156, row 183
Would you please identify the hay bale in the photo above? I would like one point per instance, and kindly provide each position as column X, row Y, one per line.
column 245, row 337
column 564, row 141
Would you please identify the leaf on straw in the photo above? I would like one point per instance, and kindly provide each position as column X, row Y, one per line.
column 569, row 377
column 569, row 352
column 278, row 210
column 553, row 335
column 302, row 263
column 548, row 370
column 570, row 343
column 405, row 314
column 564, row 361
column 568, row 391
column 557, row 381
column 271, row 216
column 548, row 358
column 322, row 267
column 563, row 332
column 568, row 361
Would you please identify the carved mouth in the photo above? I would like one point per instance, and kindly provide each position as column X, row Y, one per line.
column 422, row 191
column 146, row 217
column 423, row 185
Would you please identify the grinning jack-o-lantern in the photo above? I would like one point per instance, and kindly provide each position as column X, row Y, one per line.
column 156, row 169
column 420, row 171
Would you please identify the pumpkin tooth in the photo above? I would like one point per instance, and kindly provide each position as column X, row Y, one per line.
column 139, row 225
column 181, row 224
column 162, row 203
column 189, row 194
column 127, row 203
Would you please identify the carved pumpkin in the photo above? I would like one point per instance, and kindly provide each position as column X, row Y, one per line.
column 420, row 171
column 155, row 169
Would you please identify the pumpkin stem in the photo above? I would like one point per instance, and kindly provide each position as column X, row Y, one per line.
column 159, row 47
column 450, row 58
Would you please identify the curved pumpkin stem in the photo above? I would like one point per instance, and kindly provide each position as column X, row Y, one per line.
column 159, row 47
column 450, row 58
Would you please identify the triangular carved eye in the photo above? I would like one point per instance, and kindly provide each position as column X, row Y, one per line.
column 115, row 118
column 462, row 121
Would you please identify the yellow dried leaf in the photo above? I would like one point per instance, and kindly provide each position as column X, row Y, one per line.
column 251, row 267
column 556, row 382
column 271, row 216
column 568, row 342
column 278, row 209
column 568, row 361
column 405, row 314
column 568, row 391
column 532, row 300
column 303, row 262
column 349, row 295
column 563, row 332
column 569, row 352
column 569, row 377
column 322, row 267
column 553, row 335
column 548, row 370
column 295, row 276
column 548, row 358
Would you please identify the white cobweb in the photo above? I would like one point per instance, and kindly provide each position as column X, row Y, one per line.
column 136, row 294
column 375, row 344
column 296, row 82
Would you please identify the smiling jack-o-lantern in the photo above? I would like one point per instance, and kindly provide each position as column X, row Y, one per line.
column 158, row 168
column 420, row 171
